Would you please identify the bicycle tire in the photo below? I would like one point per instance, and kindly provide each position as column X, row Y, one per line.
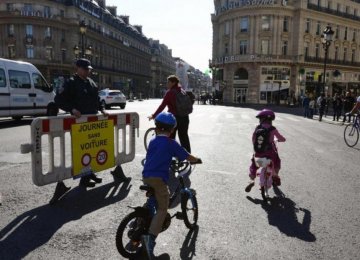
column 134, row 216
column 190, row 223
column 148, row 135
column 355, row 132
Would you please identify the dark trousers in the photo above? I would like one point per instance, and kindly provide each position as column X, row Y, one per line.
column 337, row 113
column 182, row 129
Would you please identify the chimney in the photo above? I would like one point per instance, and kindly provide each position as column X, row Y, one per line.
column 138, row 28
column 125, row 18
column 101, row 3
column 112, row 10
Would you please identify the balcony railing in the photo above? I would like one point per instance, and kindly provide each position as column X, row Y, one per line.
column 332, row 61
column 333, row 12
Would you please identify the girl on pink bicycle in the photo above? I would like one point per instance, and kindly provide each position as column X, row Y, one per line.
column 263, row 139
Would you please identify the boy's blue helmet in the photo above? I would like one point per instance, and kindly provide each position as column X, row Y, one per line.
column 165, row 121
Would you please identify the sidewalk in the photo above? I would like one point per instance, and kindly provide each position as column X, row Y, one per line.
column 329, row 120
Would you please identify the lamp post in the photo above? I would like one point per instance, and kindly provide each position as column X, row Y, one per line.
column 326, row 39
column 130, row 91
column 148, row 89
column 83, row 28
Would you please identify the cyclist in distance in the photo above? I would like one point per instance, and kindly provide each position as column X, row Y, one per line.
column 264, row 145
column 161, row 150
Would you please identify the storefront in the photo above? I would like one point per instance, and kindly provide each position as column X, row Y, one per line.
column 275, row 85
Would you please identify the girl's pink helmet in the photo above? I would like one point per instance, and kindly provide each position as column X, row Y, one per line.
column 266, row 113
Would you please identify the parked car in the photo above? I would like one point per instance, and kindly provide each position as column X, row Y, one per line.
column 24, row 91
column 112, row 97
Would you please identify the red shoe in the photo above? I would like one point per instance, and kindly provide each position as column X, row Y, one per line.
column 276, row 180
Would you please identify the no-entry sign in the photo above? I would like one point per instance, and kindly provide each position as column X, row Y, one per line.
column 92, row 146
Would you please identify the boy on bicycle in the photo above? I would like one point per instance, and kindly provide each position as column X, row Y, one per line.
column 264, row 145
column 156, row 172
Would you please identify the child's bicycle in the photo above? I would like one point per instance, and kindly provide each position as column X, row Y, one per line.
column 137, row 223
column 265, row 173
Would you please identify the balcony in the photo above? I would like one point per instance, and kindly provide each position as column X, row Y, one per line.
column 332, row 12
column 332, row 61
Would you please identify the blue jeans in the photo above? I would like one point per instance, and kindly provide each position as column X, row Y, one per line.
column 306, row 111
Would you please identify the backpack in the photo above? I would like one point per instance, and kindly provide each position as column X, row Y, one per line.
column 262, row 142
column 184, row 103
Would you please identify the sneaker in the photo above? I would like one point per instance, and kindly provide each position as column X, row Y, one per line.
column 148, row 242
column 249, row 187
column 276, row 180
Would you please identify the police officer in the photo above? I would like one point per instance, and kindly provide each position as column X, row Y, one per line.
column 79, row 95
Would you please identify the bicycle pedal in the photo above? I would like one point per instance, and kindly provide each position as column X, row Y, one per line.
column 179, row 215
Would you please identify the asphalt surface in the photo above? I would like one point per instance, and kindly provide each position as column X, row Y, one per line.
column 314, row 215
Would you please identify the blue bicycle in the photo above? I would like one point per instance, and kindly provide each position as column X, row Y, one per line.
column 137, row 223
column 351, row 132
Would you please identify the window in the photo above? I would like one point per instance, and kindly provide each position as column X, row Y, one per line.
column 336, row 53
column 227, row 28
column 10, row 7
column 243, row 47
column 352, row 55
column 30, row 52
column 48, row 32
column 345, row 54
column 355, row 12
column 338, row 7
column 337, row 32
column 226, row 48
column 265, row 47
column 265, row 23
column 29, row 30
column 19, row 79
column 63, row 35
column 354, row 35
column 348, row 10
column 49, row 53
column 318, row 28
column 286, row 24
column 11, row 29
column 2, row 79
column 346, row 32
column 284, row 50
column 329, row 5
column 62, row 13
column 11, row 51
column 317, row 50
column 28, row 9
column 307, row 27
column 47, row 13
column 39, row 82
column 244, row 24
column 306, row 50
column 63, row 55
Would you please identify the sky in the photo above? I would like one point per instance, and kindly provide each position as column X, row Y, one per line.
column 183, row 25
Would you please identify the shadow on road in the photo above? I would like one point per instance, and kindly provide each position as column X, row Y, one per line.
column 8, row 123
column 282, row 213
column 35, row 228
column 188, row 248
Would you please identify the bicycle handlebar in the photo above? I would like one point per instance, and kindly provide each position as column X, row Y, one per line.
column 199, row 161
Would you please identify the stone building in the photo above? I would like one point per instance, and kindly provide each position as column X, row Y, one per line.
column 162, row 65
column 270, row 51
column 47, row 33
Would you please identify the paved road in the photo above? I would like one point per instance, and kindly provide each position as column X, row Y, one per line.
column 315, row 215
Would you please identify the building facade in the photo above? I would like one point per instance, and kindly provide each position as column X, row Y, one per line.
column 162, row 65
column 270, row 51
column 47, row 34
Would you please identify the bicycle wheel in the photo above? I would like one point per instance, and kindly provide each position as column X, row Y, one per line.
column 351, row 135
column 149, row 134
column 129, row 232
column 190, row 210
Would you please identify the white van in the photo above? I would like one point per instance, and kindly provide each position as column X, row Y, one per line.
column 24, row 91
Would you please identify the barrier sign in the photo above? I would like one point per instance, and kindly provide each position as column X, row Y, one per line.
column 92, row 147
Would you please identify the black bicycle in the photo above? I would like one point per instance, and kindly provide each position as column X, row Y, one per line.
column 351, row 132
column 137, row 223
column 149, row 134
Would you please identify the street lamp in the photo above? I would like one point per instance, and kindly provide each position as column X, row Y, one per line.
column 326, row 39
column 83, row 28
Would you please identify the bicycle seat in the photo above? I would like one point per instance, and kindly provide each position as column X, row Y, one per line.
column 147, row 188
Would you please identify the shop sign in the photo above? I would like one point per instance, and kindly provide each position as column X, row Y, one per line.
column 247, row 3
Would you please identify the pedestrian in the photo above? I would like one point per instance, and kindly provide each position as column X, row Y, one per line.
column 349, row 101
column 170, row 100
column 305, row 104
column 263, row 140
column 311, row 108
column 79, row 96
column 327, row 104
column 321, row 103
column 337, row 106
column 156, row 173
